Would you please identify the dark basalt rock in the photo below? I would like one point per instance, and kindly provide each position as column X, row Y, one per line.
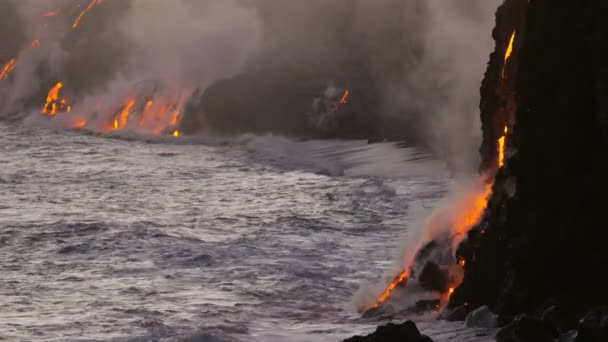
column 405, row 332
column 527, row 329
column 456, row 314
column 594, row 326
column 540, row 236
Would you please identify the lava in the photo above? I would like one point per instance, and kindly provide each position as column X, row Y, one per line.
column 399, row 278
column 50, row 106
column 35, row 44
column 467, row 213
column 51, row 13
column 7, row 68
column 176, row 133
column 344, row 99
column 501, row 148
column 508, row 53
column 85, row 11
column 123, row 117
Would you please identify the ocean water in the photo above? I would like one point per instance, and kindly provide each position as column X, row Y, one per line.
column 246, row 238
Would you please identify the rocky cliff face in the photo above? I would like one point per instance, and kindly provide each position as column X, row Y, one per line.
column 543, row 238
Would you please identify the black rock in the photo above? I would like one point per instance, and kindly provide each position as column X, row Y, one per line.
column 405, row 332
column 527, row 329
column 456, row 314
column 594, row 326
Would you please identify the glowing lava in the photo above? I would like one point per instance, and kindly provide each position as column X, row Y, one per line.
column 501, row 148
column 176, row 134
column 7, row 68
column 508, row 53
column 389, row 289
column 85, row 11
column 123, row 117
column 36, row 44
column 50, row 13
column 344, row 99
column 50, row 107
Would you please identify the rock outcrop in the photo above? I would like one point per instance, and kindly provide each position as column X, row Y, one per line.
column 405, row 332
column 542, row 239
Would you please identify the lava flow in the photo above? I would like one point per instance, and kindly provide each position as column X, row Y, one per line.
column 344, row 99
column 53, row 103
column 123, row 118
column 7, row 68
column 85, row 11
column 470, row 208
column 508, row 54
column 501, row 148
column 401, row 277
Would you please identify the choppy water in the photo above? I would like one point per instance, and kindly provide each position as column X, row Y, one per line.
column 242, row 239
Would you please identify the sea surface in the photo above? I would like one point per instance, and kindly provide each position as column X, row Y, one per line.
column 244, row 238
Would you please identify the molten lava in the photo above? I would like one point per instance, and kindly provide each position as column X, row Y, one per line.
column 501, row 148
column 401, row 277
column 50, row 106
column 344, row 99
column 508, row 53
column 7, row 68
column 123, row 117
column 85, row 11
column 51, row 13
column 36, row 44
column 176, row 133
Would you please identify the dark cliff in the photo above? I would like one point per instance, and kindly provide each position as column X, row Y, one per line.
column 543, row 237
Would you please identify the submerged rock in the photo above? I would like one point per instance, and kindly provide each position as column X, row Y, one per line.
column 405, row 332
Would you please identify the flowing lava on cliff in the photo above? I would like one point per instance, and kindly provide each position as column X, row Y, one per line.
column 471, row 209
column 344, row 99
column 85, row 11
column 7, row 68
column 508, row 54
column 53, row 103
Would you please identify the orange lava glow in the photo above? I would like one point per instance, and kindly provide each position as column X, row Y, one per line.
column 51, row 13
column 85, row 11
column 472, row 210
column 50, row 106
column 501, row 148
column 176, row 134
column 508, row 53
column 80, row 124
column 35, row 44
column 389, row 289
column 123, row 117
column 344, row 99
column 7, row 68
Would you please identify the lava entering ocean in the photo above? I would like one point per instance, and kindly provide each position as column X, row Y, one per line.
column 459, row 216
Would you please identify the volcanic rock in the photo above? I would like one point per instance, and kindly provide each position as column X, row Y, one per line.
column 456, row 314
column 539, row 238
column 405, row 332
column 482, row 317
column 594, row 326
column 527, row 329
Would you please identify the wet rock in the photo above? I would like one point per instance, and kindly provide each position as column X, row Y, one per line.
column 456, row 314
column 405, row 332
column 527, row 329
column 424, row 306
column 482, row 317
column 594, row 326
column 434, row 278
